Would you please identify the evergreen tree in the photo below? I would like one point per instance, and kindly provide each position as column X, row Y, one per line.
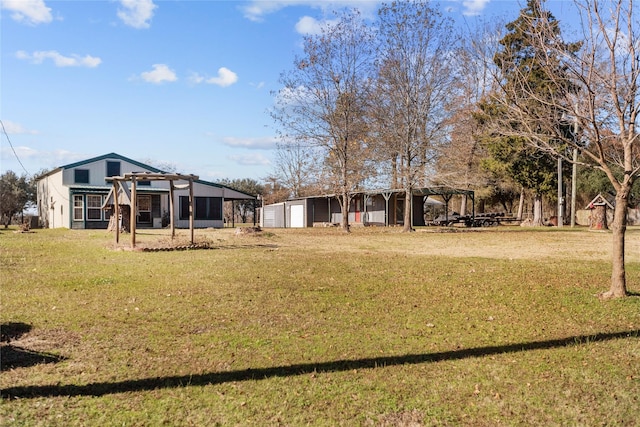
column 524, row 70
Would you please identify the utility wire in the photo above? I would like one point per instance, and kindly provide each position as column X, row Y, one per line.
column 13, row 149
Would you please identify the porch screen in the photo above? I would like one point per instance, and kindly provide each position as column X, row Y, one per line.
column 205, row 208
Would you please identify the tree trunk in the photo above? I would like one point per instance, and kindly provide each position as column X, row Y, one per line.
column 407, row 211
column 618, row 287
column 599, row 218
column 463, row 206
column 346, row 201
column 521, row 204
column 537, row 210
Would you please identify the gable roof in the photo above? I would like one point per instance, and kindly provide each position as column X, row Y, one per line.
column 236, row 194
column 97, row 159
column 111, row 156
column 599, row 200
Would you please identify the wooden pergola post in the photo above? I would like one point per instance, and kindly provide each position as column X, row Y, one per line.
column 120, row 182
column 191, row 209
column 172, row 210
column 132, row 220
column 116, row 210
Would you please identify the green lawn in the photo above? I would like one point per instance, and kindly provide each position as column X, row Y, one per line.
column 316, row 327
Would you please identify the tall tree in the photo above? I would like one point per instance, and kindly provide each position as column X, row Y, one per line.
column 322, row 102
column 415, row 78
column 602, row 100
column 459, row 163
column 15, row 193
column 524, row 62
column 295, row 167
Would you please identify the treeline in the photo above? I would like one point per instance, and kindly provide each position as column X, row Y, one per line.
column 410, row 100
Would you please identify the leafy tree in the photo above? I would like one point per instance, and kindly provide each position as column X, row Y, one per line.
column 244, row 208
column 415, row 79
column 15, row 193
column 322, row 102
column 524, row 64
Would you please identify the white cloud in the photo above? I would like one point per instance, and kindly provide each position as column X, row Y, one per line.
column 252, row 159
column 160, row 74
column 266, row 143
column 49, row 159
column 58, row 59
column 225, row 78
column 308, row 25
column 13, row 128
column 136, row 13
column 256, row 10
column 474, row 7
column 32, row 12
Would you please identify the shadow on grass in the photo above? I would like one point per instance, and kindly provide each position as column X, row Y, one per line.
column 145, row 384
column 12, row 356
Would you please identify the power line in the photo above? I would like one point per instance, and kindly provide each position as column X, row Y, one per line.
column 13, row 149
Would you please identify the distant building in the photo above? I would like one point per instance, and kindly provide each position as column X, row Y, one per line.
column 369, row 208
column 77, row 196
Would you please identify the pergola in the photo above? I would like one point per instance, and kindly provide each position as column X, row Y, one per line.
column 119, row 185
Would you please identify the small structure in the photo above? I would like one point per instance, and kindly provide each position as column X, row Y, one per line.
column 598, row 218
column 130, row 199
column 367, row 208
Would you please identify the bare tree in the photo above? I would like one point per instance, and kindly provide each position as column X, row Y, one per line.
column 459, row 163
column 415, row 77
column 596, row 113
column 295, row 167
column 322, row 102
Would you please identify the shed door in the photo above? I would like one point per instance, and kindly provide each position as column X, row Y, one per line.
column 297, row 216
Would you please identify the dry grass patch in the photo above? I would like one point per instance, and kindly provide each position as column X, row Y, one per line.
column 315, row 327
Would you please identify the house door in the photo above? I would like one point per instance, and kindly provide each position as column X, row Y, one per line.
column 144, row 210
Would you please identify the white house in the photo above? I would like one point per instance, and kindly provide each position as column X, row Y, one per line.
column 73, row 196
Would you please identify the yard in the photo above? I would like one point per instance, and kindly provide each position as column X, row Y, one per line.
column 315, row 327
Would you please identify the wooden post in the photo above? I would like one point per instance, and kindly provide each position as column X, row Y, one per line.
column 172, row 210
column 191, row 210
column 116, row 210
column 134, row 208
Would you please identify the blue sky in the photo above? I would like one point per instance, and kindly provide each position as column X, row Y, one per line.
column 185, row 83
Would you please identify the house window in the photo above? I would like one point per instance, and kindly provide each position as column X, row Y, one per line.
column 113, row 168
column 78, row 208
column 205, row 208
column 81, row 176
column 94, row 207
column 144, row 183
column 144, row 209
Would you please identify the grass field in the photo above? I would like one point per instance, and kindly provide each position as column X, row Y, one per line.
column 316, row 327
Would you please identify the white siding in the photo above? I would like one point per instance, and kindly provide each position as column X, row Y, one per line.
column 53, row 201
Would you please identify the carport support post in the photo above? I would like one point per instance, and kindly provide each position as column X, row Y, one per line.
column 134, row 208
column 447, row 198
column 366, row 200
column 386, row 196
